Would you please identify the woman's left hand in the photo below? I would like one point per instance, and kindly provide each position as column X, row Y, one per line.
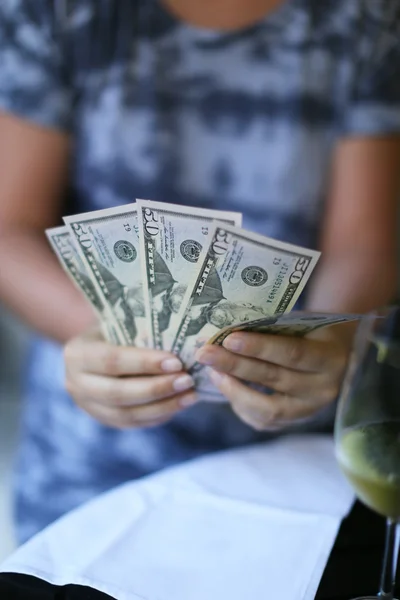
column 305, row 374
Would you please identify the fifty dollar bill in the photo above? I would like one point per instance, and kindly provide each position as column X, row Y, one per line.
column 296, row 324
column 108, row 242
column 72, row 263
column 243, row 277
column 172, row 239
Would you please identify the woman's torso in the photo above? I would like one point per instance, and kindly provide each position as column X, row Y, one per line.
column 243, row 121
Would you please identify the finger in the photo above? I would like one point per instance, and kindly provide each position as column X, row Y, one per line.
column 128, row 391
column 283, row 380
column 151, row 415
column 96, row 356
column 263, row 411
column 301, row 354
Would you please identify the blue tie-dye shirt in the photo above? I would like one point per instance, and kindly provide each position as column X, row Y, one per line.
column 243, row 121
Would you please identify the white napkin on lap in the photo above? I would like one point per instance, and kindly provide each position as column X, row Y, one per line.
column 256, row 522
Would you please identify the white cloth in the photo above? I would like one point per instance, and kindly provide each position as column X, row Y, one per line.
column 257, row 522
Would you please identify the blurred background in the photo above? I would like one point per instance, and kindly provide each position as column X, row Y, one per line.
column 13, row 344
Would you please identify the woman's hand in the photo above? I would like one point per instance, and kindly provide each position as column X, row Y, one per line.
column 125, row 387
column 304, row 373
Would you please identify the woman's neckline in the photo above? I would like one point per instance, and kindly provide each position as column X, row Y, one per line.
column 212, row 32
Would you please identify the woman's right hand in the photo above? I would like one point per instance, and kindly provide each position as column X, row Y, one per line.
column 125, row 387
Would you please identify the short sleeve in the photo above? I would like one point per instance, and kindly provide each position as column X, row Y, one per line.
column 32, row 77
column 373, row 106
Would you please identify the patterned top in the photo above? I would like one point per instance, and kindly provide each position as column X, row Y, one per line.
column 243, row 121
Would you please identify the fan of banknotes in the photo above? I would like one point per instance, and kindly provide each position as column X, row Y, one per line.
column 174, row 278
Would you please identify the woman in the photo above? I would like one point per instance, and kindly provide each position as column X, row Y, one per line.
column 286, row 110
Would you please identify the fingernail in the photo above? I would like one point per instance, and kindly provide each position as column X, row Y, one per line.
column 205, row 357
column 216, row 377
column 184, row 382
column 171, row 365
column 188, row 400
column 233, row 343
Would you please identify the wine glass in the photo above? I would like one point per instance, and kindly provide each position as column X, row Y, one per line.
column 367, row 429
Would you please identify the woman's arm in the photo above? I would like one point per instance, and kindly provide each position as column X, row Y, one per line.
column 358, row 266
column 33, row 171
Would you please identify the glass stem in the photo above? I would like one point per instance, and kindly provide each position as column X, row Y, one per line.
column 390, row 558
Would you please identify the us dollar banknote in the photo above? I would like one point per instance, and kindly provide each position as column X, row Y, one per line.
column 243, row 277
column 172, row 239
column 108, row 242
column 295, row 323
column 62, row 243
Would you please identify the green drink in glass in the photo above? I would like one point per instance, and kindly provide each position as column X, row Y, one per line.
column 367, row 428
